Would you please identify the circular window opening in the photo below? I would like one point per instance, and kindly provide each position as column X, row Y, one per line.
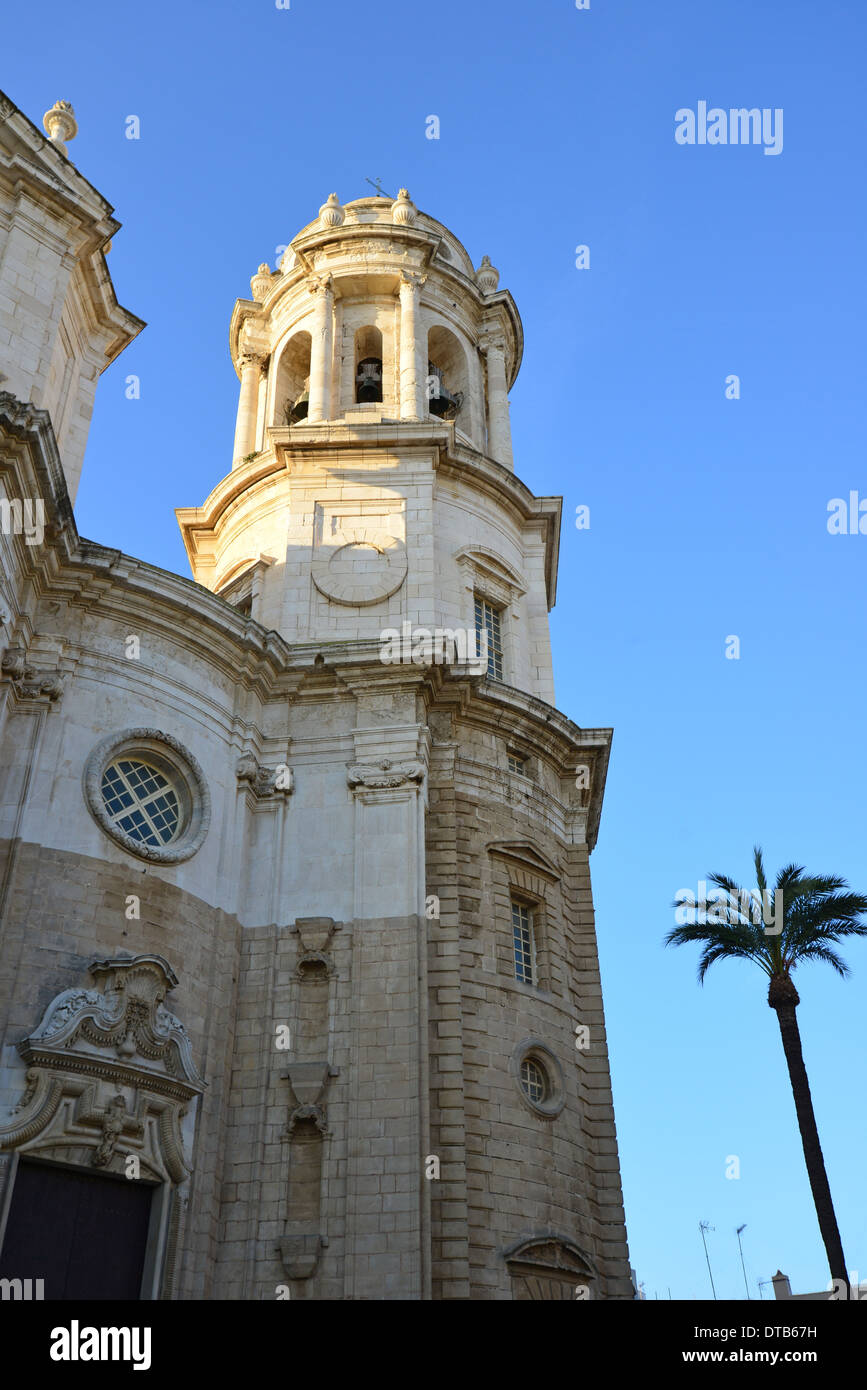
column 538, row 1076
column 534, row 1082
column 140, row 800
column 149, row 794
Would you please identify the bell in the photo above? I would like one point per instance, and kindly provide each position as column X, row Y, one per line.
column 368, row 380
column 298, row 410
column 443, row 403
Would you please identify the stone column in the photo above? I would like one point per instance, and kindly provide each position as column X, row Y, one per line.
column 320, row 355
column 499, row 428
column 250, row 363
column 411, row 395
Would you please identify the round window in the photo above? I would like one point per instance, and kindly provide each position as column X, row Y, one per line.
column 534, row 1083
column 539, row 1077
column 142, row 801
column 149, row 794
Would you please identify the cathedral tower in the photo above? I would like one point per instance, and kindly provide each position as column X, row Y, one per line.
column 443, row 810
column 296, row 926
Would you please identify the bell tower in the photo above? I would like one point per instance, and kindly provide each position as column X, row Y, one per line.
column 425, row 890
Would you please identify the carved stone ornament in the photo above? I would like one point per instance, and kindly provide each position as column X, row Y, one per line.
column 549, row 1266
column 261, row 282
column 364, row 566
column 384, row 775
column 331, row 214
column 110, row 1072
column 308, row 1081
column 320, row 284
column 60, row 124
column 300, row 1253
column 262, row 781
column 403, row 210
column 314, row 936
column 487, row 276
column 28, row 682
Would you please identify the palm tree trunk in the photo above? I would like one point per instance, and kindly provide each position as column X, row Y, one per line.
column 790, row 1033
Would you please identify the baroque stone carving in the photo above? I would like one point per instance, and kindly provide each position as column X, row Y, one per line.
column 60, row 124
column 263, row 781
column 384, row 775
column 331, row 214
column 548, row 1266
column 403, row 210
column 114, row 1117
column 308, row 1081
column 487, row 276
column 28, row 682
column 314, row 935
column 261, row 282
column 100, row 1062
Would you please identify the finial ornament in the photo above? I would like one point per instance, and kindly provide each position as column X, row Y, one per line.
column 261, row 282
column 331, row 214
column 487, row 276
column 60, row 124
column 403, row 209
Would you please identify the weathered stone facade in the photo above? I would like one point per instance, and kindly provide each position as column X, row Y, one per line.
column 289, row 999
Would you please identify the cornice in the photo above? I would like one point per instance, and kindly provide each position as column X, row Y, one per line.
column 85, row 574
column 30, row 162
column 506, row 712
column 290, row 444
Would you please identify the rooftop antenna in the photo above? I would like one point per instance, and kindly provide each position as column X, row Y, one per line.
column 763, row 1283
column 377, row 184
column 741, row 1248
column 705, row 1226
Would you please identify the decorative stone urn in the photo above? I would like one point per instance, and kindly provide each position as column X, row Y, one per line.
column 60, row 124
column 487, row 276
column 261, row 282
column 331, row 214
column 403, row 209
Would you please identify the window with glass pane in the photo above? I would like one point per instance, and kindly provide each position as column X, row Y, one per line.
column 517, row 764
column 141, row 801
column 533, row 1080
column 488, row 621
column 522, row 934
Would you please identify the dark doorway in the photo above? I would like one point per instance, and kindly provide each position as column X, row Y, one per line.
column 84, row 1233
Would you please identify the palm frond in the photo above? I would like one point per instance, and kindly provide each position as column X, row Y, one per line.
column 811, row 913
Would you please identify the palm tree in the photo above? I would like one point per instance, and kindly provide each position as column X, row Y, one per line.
column 811, row 914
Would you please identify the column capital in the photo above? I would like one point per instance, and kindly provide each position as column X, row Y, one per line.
column 320, row 284
column 411, row 280
column 249, row 357
column 492, row 341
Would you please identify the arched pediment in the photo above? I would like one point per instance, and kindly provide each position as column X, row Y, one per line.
column 549, row 1266
column 522, row 855
column 491, row 566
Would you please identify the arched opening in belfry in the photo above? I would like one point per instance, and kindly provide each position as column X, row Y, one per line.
column 368, row 365
column 292, row 384
column 447, row 373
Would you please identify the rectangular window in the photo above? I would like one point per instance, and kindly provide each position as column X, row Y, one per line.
column 488, row 621
column 517, row 764
column 525, row 951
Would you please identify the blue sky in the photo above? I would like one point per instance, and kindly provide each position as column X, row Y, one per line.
column 708, row 515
